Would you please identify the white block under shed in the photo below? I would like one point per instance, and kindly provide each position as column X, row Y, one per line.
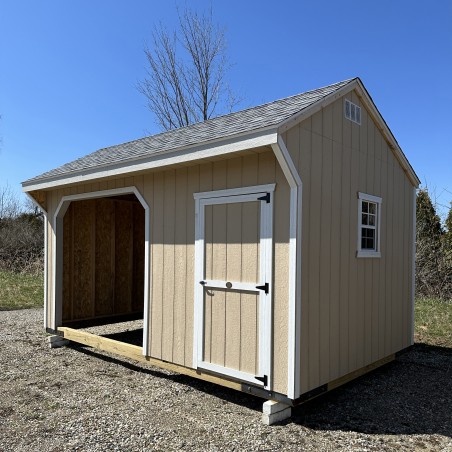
column 273, row 412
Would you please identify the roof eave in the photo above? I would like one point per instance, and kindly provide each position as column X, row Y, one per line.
column 265, row 136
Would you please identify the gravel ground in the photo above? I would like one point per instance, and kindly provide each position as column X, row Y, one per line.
column 73, row 398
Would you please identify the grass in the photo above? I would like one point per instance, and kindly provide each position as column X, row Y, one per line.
column 21, row 290
column 433, row 322
column 433, row 317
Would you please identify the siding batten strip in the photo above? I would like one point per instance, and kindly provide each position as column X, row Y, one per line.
column 294, row 320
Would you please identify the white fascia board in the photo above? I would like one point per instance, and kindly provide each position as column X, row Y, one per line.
column 237, row 143
column 365, row 98
column 386, row 131
column 316, row 106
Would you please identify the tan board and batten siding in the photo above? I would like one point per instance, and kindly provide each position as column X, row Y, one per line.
column 172, row 212
column 355, row 311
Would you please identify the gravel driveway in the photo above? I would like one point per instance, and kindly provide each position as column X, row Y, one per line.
column 73, row 398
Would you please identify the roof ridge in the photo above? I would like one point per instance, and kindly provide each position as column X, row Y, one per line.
column 189, row 126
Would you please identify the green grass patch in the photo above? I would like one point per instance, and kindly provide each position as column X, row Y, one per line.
column 433, row 321
column 21, row 290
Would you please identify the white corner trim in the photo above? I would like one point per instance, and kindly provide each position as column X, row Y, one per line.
column 58, row 247
column 413, row 266
column 237, row 143
column 46, row 270
column 295, row 259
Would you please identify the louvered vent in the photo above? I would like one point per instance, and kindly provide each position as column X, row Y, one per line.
column 352, row 112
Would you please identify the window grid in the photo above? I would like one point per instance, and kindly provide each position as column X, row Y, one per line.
column 369, row 208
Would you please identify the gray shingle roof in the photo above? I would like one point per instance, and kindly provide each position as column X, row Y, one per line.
column 251, row 119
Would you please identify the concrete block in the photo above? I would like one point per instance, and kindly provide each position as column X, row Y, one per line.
column 57, row 341
column 55, row 338
column 273, row 412
column 59, row 344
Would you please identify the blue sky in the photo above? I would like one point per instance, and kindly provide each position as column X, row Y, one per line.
column 69, row 70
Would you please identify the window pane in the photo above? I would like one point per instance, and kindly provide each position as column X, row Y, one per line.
column 365, row 206
column 372, row 208
column 371, row 220
column 364, row 219
column 352, row 115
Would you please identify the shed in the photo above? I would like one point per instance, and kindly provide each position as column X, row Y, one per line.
column 269, row 250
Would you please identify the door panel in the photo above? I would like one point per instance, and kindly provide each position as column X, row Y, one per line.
column 234, row 309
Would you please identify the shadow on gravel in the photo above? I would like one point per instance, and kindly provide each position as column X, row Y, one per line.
column 412, row 395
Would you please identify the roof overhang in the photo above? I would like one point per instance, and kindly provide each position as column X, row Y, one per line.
column 372, row 110
column 240, row 142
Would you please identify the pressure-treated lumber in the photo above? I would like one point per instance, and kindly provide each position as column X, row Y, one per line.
column 135, row 352
column 359, row 372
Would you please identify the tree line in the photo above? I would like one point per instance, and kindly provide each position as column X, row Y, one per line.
column 433, row 250
column 22, row 242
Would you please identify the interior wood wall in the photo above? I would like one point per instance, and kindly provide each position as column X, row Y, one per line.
column 103, row 258
column 355, row 311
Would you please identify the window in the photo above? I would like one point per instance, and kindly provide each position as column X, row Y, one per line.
column 352, row 112
column 369, row 215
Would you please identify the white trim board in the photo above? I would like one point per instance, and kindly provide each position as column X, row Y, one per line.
column 228, row 145
column 371, row 108
column 235, row 195
column 58, row 249
column 295, row 259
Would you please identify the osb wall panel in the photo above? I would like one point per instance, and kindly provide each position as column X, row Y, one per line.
column 354, row 310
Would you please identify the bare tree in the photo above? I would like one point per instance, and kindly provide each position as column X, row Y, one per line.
column 9, row 203
column 186, row 77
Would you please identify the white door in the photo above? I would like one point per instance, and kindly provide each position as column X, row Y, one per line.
column 233, row 282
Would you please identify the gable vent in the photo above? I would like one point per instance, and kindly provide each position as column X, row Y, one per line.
column 352, row 112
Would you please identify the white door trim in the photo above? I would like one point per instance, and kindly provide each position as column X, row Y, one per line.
column 57, row 265
column 243, row 194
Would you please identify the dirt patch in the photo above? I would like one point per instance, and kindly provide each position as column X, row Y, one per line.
column 74, row 398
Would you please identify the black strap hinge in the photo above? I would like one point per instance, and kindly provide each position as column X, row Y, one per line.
column 263, row 379
column 265, row 198
column 263, row 287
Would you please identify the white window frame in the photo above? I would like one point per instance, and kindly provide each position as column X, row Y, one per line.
column 378, row 201
column 356, row 118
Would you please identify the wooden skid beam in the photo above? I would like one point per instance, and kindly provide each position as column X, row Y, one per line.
column 136, row 353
